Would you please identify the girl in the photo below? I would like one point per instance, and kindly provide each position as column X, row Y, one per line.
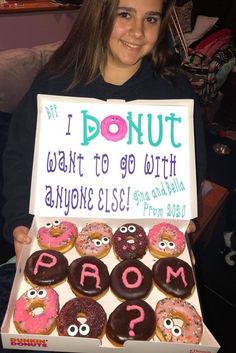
column 117, row 49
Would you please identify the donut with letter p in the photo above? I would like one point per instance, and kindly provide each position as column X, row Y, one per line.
column 46, row 268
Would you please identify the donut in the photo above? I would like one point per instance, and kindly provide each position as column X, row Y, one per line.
column 165, row 240
column 131, row 279
column 58, row 236
column 46, row 268
column 94, row 240
column 68, row 323
column 131, row 320
column 130, row 241
column 171, row 311
column 174, row 277
column 88, row 276
column 107, row 132
column 28, row 320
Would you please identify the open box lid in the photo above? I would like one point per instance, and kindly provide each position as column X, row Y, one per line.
column 114, row 159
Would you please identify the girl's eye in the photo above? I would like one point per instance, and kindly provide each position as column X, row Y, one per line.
column 124, row 14
column 152, row 19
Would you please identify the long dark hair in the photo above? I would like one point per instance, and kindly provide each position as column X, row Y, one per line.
column 85, row 48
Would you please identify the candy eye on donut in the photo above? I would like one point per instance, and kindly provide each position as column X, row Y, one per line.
column 105, row 240
column 123, row 229
column 72, row 330
column 48, row 225
column 56, row 223
column 171, row 245
column 84, row 329
column 162, row 244
column 31, row 294
column 97, row 242
column 132, row 229
column 168, row 323
column 42, row 293
column 176, row 331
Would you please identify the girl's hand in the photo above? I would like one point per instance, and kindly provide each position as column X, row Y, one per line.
column 21, row 238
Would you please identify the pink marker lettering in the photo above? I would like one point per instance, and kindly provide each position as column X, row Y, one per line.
column 125, row 279
column 87, row 272
column 41, row 263
column 180, row 272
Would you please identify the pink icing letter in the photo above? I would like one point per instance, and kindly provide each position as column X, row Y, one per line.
column 125, row 280
column 44, row 264
column 86, row 273
column 180, row 272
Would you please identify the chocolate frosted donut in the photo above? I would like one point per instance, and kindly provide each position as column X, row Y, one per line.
column 130, row 241
column 88, row 276
column 68, row 323
column 174, row 277
column 46, row 268
column 131, row 279
column 131, row 320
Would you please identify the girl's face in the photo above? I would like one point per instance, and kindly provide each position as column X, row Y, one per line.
column 135, row 32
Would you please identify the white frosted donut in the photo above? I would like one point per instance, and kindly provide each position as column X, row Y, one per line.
column 169, row 313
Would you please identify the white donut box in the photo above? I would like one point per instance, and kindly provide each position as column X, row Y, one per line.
column 81, row 175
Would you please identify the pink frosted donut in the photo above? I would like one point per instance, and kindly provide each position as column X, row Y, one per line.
column 28, row 320
column 171, row 311
column 165, row 240
column 94, row 240
column 113, row 120
column 58, row 236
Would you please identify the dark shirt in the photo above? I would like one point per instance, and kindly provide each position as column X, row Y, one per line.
column 18, row 156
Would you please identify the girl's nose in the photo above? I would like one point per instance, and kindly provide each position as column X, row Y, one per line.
column 137, row 28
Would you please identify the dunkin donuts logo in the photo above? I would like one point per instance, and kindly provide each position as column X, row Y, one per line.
column 22, row 342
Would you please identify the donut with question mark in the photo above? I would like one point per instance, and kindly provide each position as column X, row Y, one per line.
column 131, row 320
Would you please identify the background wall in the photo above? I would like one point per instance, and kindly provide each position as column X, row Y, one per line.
column 35, row 28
